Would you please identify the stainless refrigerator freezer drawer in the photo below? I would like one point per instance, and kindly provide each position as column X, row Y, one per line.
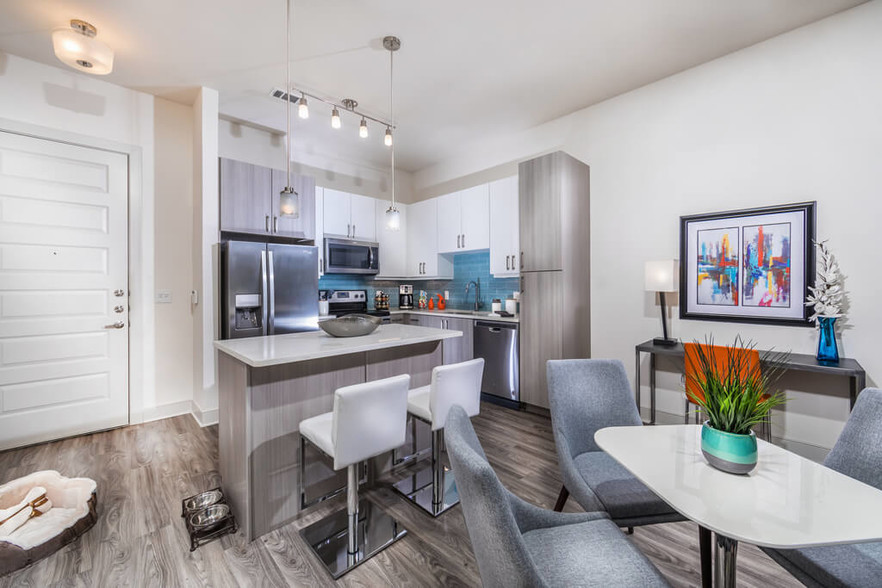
column 497, row 343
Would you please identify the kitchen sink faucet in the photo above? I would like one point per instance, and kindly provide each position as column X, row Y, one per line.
column 477, row 292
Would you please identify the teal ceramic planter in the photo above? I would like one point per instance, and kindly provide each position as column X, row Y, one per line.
column 735, row 454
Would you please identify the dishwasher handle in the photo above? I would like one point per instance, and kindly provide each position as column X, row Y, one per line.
column 495, row 327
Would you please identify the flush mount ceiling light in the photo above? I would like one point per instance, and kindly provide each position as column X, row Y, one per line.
column 393, row 217
column 77, row 47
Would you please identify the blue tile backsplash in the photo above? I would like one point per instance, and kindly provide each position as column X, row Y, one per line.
column 466, row 267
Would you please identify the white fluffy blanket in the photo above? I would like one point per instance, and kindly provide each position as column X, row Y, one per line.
column 69, row 497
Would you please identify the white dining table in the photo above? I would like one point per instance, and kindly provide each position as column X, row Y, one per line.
column 786, row 502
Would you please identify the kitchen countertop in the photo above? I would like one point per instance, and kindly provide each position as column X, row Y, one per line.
column 453, row 313
column 295, row 347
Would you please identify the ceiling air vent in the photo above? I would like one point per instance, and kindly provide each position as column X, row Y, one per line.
column 282, row 95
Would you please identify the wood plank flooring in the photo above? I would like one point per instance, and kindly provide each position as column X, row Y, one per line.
column 144, row 471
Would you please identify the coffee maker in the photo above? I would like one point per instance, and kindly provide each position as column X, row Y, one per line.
column 405, row 297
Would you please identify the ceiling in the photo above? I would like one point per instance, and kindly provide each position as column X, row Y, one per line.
column 466, row 69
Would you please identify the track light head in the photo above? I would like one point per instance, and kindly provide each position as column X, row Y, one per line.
column 335, row 118
column 302, row 107
column 388, row 139
column 362, row 129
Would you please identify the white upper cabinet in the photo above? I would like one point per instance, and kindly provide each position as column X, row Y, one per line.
column 364, row 217
column 464, row 220
column 475, row 218
column 349, row 216
column 504, row 241
column 422, row 242
column 393, row 244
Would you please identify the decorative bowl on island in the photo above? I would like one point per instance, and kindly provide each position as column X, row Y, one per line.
column 351, row 325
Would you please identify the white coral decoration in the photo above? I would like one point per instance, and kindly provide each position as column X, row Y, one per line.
column 826, row 294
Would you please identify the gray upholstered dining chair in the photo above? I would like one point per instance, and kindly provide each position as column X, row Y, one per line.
column 587, row 395
column 518, row 544
column 858, row 454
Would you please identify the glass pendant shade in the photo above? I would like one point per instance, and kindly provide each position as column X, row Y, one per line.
column 393, row 219
column 289, row 203
column 82, row 52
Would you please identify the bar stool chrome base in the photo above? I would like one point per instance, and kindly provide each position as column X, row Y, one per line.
column 432, row 488
column 329, row 537
column 418, row 489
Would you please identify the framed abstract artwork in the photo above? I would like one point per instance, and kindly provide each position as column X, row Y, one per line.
column 750, row 266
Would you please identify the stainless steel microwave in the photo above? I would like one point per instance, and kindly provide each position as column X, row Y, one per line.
column 343, row 256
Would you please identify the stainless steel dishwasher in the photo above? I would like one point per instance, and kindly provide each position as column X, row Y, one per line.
column 497, row 343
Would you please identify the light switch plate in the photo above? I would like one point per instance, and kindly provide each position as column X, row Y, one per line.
column 163, row 297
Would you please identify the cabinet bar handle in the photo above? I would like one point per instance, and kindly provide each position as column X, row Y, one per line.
column 275, row 224
column 506, row 262
column 457, row 241
column 353, row 231
column 463, row 241
column 266, row 224
column 348, row 230
column 522, row 260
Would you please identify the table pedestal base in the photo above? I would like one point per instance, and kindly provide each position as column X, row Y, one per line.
column 725, row 553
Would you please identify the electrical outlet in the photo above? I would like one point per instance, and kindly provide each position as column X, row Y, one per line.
column 163, row 297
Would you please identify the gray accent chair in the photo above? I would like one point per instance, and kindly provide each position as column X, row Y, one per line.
column 518, row 544
column 858, row 454
column 585, row 396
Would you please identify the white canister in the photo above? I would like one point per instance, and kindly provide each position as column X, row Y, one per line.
column 511, row 306
column 324, row 307
column 496, row 305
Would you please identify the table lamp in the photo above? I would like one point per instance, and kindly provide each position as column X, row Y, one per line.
column 661, row 277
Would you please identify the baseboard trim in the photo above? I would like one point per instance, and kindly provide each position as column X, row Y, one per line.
column 164, row 411
column 205, row 418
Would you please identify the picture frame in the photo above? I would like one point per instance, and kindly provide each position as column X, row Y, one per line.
column 748, row 266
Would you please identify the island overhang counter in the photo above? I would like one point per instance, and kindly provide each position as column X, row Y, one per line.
column 267, row 385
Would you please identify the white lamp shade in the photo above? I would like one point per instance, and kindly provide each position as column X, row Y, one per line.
column 662, row 276
column 393, row 219
column 83, row 53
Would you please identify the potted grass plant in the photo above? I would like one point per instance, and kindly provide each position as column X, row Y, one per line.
column 732, row 386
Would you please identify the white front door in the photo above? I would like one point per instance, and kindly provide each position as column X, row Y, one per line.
column 63, row 290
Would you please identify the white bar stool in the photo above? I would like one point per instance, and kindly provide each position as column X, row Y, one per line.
column 433, row 488
column 368, row 419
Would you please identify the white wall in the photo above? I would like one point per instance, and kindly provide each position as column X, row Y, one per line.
column 173, row 127
column 252, row 145
column 60, row 104
column 792, row 119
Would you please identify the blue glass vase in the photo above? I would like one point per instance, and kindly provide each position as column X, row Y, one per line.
column 827, row 350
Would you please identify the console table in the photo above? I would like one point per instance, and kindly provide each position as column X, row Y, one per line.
column 798, row 362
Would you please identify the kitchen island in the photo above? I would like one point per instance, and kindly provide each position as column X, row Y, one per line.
column 267, row 385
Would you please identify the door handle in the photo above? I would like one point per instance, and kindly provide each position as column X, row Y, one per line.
column 116, row 325
column 266, row 224
column 118, row 309
column 119, row 292
column 275, row 224
column 271, row 287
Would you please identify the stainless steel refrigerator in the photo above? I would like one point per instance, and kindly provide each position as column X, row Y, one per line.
column 268, row 289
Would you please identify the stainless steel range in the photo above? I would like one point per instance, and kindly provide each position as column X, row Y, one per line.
column 343, row 302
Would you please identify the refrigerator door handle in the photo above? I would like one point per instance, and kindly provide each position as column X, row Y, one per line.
column 272, row 293
column 263, row 291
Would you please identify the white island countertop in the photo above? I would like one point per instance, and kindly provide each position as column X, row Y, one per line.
column 281, row 349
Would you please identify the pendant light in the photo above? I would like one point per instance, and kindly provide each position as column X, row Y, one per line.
column 77, row 47
column 289, row 200
column 393, row 217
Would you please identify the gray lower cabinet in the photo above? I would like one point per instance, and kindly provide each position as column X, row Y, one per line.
column 250, row 201
column 455, row 350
